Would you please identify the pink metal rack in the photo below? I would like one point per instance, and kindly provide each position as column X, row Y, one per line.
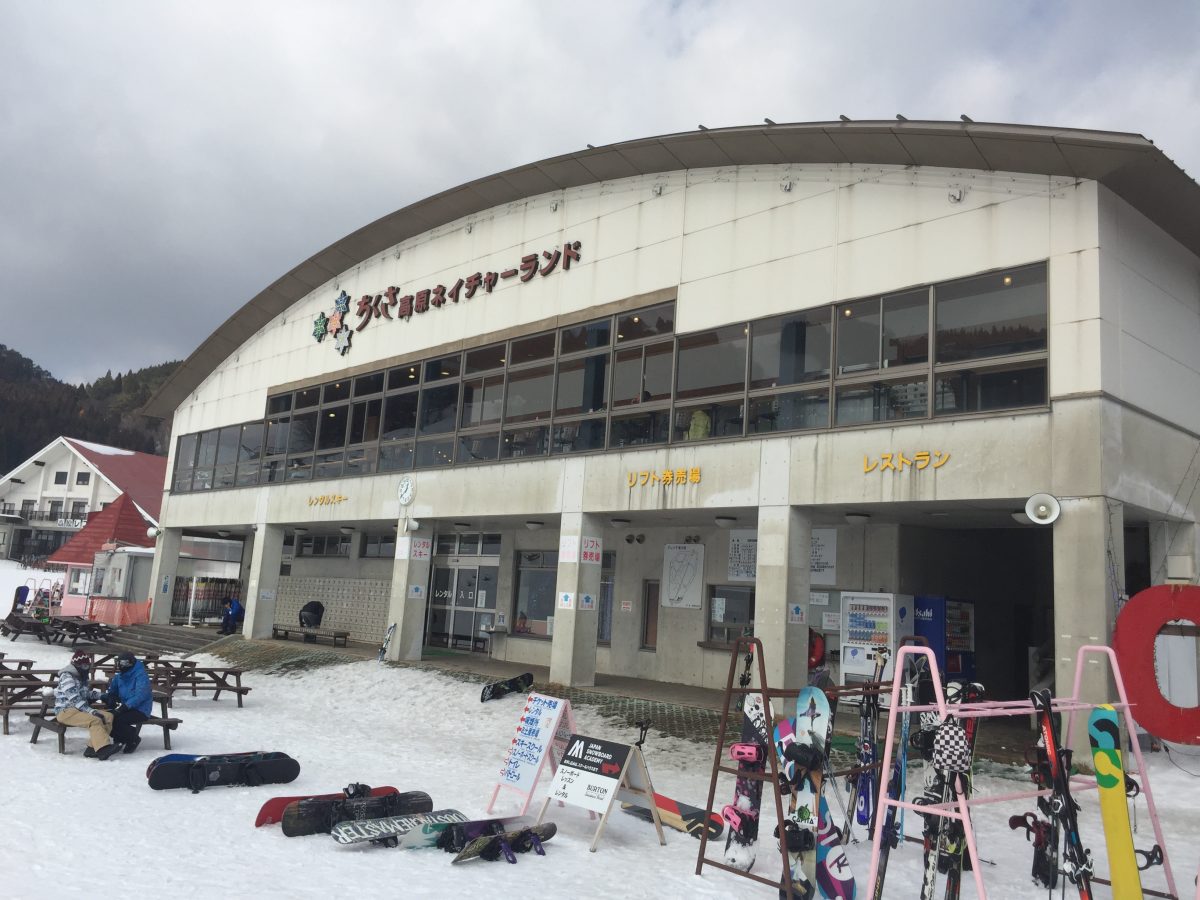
column 959, row 809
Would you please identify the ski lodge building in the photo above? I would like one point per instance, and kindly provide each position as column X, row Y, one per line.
column 608, row 411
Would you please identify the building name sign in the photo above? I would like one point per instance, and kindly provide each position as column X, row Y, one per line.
column 71, row 523
column 665, row 477
column 327, row 499
column 897, row 462
column 391, row 305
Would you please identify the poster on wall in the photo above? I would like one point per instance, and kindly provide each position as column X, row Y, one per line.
column 743, row 554
column 683, row 576
column 823, row 567
column 831, row 621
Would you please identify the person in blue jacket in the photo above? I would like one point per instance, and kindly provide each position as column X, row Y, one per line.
column 231, row 616
column 130, row 698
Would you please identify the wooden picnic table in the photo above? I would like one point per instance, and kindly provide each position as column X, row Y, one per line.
column 208, row 678
column 23, row 689
column 16, row 664
column 76, row 627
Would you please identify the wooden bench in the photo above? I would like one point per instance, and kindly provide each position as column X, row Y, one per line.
column 334, row 636
column 44, row 718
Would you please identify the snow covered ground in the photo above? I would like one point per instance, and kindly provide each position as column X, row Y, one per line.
column 417, row 730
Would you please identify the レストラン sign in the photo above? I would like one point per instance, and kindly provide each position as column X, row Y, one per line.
column 391, row 304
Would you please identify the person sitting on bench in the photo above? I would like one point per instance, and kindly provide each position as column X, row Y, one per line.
column 311, row 614
column 130, row 698
column 73, row 707
column 231, row 616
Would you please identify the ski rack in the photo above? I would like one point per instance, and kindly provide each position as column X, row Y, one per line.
column 959, row 809
column 741, row 647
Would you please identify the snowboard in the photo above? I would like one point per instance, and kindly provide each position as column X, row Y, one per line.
column 192, row 757
column 492, row 846
column 388, row 830
column 454, row 836
column 499, row 689
column 319, row 816
column 690, row 819
column 812, row 724
column 250, row 769
column 1104, row 735
column 742, row 814
column 834, row 877
column 387, row 640
column 272, row 811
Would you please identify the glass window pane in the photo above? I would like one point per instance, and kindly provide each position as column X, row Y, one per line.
column 858, row 336
column 585, row 337
column 250, row 446
column 982, row 390
column 483, row 400
column 364, row 426
column 277, row 437
column 439, row 409
column 431, row 454
column 906, row 328
column 302, row 433
column 361, row 460
column 490, row 545
column 528, row 397
column 396, row 457
column 712, row 362
column 186, row 454
column 468, row 545
column 703, row 421
column 473, row 448
column 484, row 359
column 404, row 376
column 646, row 323
column 992, row 315
column 576, row 437
column 582, row 385
column 299, row 468
column 368, row 384
column 205, row 456
column 640, row 428
column 446, row 367
column 789, row 412
column 329, row 465
column 400, row 416
column 882, row 401
column 307, row 397
column 447, row 545
column 532, row 349
column 627, row 377
column 656, row 383
column 272, row 471
column 791, row 349
column 333, row 422
column 336, row 390
column 519, row 442
column 535, row 596
column 279, row 404
column 731, row 612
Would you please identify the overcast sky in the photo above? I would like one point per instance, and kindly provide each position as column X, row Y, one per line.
column 162, row 162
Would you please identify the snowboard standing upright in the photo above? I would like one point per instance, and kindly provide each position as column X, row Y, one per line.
column 1104, row 735
column 814, row 727
column 742, row 815
column 866, row 788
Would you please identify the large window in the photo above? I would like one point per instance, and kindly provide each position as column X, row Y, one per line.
column 730, row 612
column 537, row 576
column 972, row 346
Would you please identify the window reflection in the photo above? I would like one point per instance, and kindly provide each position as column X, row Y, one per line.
column 791, row 349
column 990, row 315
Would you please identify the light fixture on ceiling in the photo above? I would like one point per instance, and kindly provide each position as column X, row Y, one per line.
column 634, row 538
column 223, row 532
column 346, row 529
column 618, row 523
column 854, row 518
column 299, row 531
column 533, row 524
column 461, row 526
column 725, row 521
column 1020, row 518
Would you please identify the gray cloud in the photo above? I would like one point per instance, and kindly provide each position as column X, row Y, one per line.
column 161, row 163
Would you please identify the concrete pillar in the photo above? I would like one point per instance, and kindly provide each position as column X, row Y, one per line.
column 410, row 585
column 1089, row 575
column 577, row 603
column 162, row 574
column 262, row 582
column 784, row 555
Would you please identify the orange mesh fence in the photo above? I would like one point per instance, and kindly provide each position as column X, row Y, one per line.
column 118, row 612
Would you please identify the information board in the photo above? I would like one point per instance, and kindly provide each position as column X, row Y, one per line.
column 542, row 731
column 743, row 555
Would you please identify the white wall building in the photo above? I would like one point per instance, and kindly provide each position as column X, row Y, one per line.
column 919, row 324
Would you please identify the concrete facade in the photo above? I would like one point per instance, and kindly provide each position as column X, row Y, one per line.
column 1115, row 441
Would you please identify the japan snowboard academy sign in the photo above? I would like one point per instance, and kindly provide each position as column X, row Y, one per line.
column 391, row 305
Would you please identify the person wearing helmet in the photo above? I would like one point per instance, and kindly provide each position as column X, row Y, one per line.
column 73, row 707
column 130, row 698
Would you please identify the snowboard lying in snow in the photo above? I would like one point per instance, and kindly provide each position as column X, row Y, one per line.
column 502, row 688
column 690, row 819
column 389, row 829
column 198, row 772
column 508, row 843
column 272, row 811
column 318, row 816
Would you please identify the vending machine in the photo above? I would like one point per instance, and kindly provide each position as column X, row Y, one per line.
column 949, row 627
column 871, row 621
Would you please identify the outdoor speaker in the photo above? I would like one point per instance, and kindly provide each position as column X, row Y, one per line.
column 1042, row 509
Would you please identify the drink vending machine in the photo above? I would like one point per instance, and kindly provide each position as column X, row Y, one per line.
column 871, row 621
column 949, row 626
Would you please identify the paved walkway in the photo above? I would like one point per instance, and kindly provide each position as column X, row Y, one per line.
column 681, row 711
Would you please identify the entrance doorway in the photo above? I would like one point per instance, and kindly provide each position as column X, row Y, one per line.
column 462, row 597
